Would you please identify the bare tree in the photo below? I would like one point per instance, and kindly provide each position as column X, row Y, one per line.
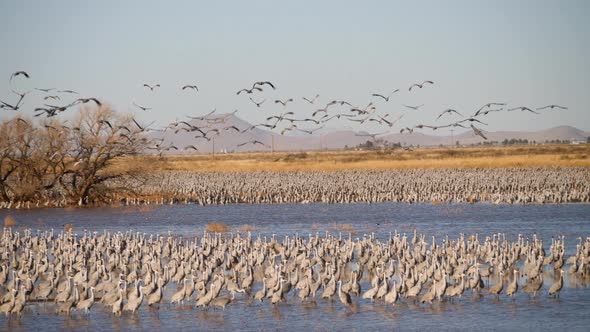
column 99, row 136
column 52, row 160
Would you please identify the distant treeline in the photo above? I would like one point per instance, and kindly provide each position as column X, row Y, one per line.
column 380, row 144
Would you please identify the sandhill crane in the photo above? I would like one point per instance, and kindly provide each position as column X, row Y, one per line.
column 143, row 108
column 343, row 296
column 86, row 304
column 312, row 100
column 522, row 108
column 19, row 73
column 258, row 104
column 133, row 304
column 384, row 97
column 489, row 105
column 7, row 307
column 448, row 111
column 221, row 301
column 557, row 286
column 415, row 108
column 283, row 102
column 249, row 91
column 513, row 286
column 420, row 85
column 253, row 142
column 188, row 86
column 151, row 87
column 551, row 107
column 497, row 288
column 310, row 131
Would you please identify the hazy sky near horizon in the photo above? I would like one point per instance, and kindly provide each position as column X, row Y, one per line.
column 525, row 53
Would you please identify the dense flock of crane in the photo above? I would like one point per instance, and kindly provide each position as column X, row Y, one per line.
column 451, row 186
column 125, row 271
column 284, row 121
column 494, row 185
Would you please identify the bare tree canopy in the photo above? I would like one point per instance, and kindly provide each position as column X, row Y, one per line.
column 57, row 160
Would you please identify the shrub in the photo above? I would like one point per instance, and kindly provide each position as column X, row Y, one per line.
column 9, row 221
column 217, row 227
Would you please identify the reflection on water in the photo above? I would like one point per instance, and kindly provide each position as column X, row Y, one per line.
column 570, row 311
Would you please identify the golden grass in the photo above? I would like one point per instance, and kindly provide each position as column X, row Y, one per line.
column 217, row 227
column 9, row 221
column 344, row 228
column 463, row 157
column 246, row 228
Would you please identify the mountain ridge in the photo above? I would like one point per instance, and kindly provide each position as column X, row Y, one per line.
column 228, row 140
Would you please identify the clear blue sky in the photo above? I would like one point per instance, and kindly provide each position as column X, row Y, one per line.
column 527, row 53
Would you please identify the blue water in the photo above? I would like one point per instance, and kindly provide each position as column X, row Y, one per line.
column 570, row 311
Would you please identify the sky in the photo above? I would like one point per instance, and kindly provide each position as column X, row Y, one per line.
column 524, row 53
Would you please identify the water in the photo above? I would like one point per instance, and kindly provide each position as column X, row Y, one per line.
column 523, row 313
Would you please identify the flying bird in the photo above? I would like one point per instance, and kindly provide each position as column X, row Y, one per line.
column 408, row 129
column 420, row 85
column 87, row 100
column 262, row 83
column 106, row 122
column 232, row 127
column 337, row 116
column 388, row 96
column 389, row 123
column 488, row 105
column 551, row 107
column 18, row 103
column 253, row 142
column 143, row 108
column 286, row 129
column 472, row 120
column 311, row 100
column 190, row 147
column 68, row 91
column 478, row 132
column 194, row 87
column 370, row 135
column 249, row 91
column 415, row 108
column 311, row 131
column 284, row 103
column 151, row 87
column 45, row 90
column 368, row 109
column 137, row 124
column 449, row 111
column 481, row 112
column 341, row 102
column 522, row 108
column 257, row 103
column 420, row 126
column 19, row 73
column 51, row 97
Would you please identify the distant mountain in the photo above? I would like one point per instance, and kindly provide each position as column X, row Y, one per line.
column 228, row 139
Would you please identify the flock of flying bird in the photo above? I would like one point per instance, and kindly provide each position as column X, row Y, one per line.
column 335, row 109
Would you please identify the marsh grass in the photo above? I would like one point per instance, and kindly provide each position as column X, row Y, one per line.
column 346, row 228
column 246, row 228
column 9, row 221
column 462, row 157
column 217, row 227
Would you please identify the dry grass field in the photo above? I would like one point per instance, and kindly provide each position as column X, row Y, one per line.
column 511, row 156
